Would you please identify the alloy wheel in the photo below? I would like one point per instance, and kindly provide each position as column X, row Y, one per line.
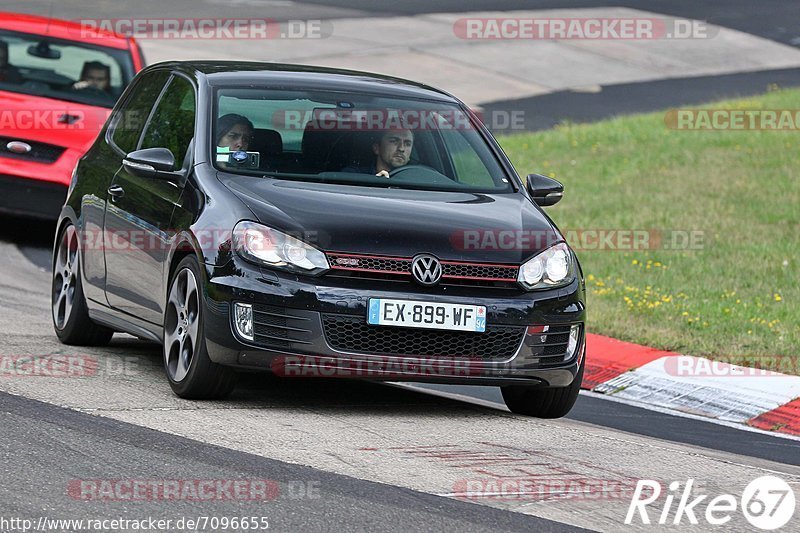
column 181, row 331
column 65, row 277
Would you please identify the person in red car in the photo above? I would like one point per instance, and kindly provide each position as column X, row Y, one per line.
column 8, row 72
column 96, row 75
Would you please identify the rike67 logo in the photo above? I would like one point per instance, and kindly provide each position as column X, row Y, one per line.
column 767, row 503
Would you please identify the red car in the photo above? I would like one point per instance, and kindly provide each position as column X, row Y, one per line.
column 58, row 83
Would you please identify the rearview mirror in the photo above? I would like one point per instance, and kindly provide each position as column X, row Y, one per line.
column 152, row 163
column 43, row 50
column 544, row 191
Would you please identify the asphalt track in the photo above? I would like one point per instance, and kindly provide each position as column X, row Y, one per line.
column 52, row 446
column 547, row 110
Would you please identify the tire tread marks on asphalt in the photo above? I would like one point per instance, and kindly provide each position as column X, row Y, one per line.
column 333, row 487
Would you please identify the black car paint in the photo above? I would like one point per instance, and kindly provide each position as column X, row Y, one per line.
column 127, row 290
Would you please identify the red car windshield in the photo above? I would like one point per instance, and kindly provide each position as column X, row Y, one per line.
column 65, row 70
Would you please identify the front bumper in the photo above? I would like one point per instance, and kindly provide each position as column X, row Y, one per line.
column 31, row 197
column 36, row 189
column 299, row 323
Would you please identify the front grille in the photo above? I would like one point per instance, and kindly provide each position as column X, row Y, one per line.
column 399, row 268
column 278, row 327
column 40, row 152
column 479, row 271
column 347, row 333
column 548, row 344
column 370, row 263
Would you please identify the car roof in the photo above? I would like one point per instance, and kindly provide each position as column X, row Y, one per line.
column 64, row 29
column 241, row 73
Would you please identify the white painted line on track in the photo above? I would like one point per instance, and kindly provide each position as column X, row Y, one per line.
column 698, row 385
column 681, row 414
column 632, row 403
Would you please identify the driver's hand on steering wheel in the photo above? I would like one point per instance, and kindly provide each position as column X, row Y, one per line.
column 383, row 173
column 80, row 85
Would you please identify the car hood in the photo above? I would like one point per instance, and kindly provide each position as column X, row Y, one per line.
column 34, row 118
column 458, row 226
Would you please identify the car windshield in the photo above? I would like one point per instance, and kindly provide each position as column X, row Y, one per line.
column 353, row 139
column 65, row 70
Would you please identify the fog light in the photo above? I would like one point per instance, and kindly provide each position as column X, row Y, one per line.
column 243, row 320
column 572, row 343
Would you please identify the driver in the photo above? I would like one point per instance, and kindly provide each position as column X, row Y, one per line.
column 8, row 72
column 234, row 132
column 392, row 151
column 95, row 75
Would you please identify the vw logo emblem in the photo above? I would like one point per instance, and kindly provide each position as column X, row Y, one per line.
column 18, row 147
column 426, row 269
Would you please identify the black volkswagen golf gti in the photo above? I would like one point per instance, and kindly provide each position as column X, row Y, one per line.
column 317, row 222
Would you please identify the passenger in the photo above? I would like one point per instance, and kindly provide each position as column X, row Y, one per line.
column 234, row 132
column 94, row 75
column 8, row 72
column 392, row 150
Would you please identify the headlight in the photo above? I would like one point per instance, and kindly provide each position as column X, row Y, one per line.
column 262, row 244
column 552, row 268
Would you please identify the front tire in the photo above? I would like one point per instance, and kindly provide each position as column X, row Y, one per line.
column 191, row 373
column 544, row 403
column 70, row 314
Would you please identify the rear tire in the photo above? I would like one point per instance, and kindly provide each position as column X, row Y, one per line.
column 70, row 314
column 544, row 403
column 191, row 373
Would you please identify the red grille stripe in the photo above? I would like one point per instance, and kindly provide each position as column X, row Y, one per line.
column 502, row 272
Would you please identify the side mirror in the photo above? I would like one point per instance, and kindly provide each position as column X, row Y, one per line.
column 544, row 191
column 152, row 163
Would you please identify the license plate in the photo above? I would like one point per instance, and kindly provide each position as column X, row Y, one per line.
column 414, row 314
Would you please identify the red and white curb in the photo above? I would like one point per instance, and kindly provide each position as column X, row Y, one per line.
column 693, row 385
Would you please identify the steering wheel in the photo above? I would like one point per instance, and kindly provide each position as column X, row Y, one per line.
column 90, row 89
column 425, row 168
column 38, row 86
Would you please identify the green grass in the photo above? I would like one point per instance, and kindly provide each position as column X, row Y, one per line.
column 738, row 295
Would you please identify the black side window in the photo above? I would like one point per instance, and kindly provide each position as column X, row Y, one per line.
column 172, row 123
column 132, row 117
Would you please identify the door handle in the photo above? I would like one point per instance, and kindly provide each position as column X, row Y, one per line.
column 116, row 192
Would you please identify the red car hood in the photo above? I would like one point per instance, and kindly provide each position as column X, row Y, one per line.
column 67, row 124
